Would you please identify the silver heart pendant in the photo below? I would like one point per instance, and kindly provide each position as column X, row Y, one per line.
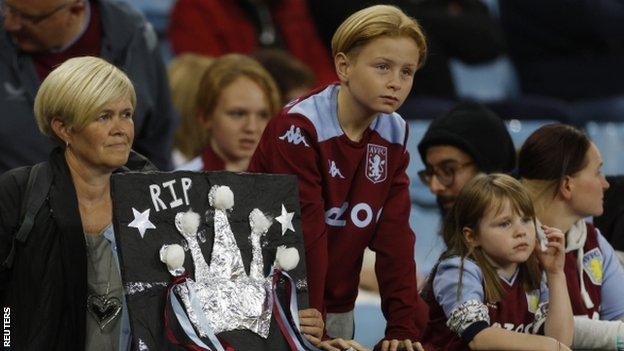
column 103, row 309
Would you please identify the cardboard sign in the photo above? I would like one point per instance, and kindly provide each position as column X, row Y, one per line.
column 145, row 206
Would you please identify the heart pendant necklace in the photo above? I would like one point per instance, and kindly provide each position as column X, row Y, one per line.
column 104, row 308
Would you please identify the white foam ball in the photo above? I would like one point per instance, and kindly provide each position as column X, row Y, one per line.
column 223, row 198
column 188, row 222
column 259, row 222
column 172, row 256
column 287, row 258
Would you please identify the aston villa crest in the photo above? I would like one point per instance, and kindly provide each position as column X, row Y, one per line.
column 376, row 163
column 592, row 265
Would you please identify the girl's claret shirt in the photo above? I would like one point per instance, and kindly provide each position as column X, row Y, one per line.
column 457, row 317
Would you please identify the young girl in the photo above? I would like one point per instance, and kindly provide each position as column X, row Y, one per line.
column 487, row 290
column 346, row 145
column 560, row 167
column 235, row 100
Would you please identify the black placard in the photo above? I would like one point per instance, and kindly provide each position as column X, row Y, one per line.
column 165, row 194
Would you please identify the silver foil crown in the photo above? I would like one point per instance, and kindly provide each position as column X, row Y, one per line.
column 229, row 299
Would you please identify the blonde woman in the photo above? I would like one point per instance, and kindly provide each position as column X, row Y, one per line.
column 64, row 288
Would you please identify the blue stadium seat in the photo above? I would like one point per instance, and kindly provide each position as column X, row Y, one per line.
column 426, row 223
column 609, row 138
column 491, row 81
column 425, row 216
column 521, row 129
column 156, row 11
column 419, row 193
column 370, row 323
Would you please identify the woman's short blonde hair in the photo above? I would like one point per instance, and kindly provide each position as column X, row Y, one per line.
column 75, row 91
column 226, row 69
column 185, row 72
column 373, row 22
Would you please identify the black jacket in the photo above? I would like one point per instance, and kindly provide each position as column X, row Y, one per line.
column 46, row 288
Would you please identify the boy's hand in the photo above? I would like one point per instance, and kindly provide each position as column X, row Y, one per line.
column 341, row 344
column 553, row 259
column 311, row 322
column 395, row 345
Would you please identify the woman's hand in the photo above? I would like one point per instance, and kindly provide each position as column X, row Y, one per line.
column 312, row 325
column 553, row 259
column 341, row 344
column 394, row 345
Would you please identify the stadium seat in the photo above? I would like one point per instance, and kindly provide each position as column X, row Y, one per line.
column 156, row 12
column 521, row 129
column 609, row 138
column 419, row 193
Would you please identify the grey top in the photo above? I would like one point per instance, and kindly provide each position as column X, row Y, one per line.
column 104, row 279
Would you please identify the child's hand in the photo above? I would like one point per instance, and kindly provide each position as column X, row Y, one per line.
column 312, row 325
column 341, row 344
column 553, row 259
column 395, row 345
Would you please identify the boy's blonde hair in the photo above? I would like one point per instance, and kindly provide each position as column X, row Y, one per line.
column 185, row 72
column 377, row 21
column 473, row 202
column 77, row 90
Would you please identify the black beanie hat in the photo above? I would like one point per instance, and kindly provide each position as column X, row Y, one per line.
column 477, row 131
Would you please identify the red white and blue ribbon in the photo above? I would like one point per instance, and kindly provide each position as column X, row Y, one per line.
column 289, row 323
column 287, row 319
column 182, row 318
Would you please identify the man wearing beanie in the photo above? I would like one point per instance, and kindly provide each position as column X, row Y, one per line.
column 467, row 140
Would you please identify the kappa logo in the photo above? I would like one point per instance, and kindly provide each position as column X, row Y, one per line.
column 293, row 136
column 376, row 163
column 592, row 265
column 334, row 171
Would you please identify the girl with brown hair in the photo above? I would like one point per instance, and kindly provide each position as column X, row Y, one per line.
column 487, row 291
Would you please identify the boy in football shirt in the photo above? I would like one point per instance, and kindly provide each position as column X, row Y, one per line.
column 347, row 147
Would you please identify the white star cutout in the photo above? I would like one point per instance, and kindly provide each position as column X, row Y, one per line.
column 141, row 221
column 286, row 220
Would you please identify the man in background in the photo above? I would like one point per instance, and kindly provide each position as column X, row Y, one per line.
column 38, row 35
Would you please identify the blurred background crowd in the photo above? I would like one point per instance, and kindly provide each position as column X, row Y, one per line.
column 531, row 62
